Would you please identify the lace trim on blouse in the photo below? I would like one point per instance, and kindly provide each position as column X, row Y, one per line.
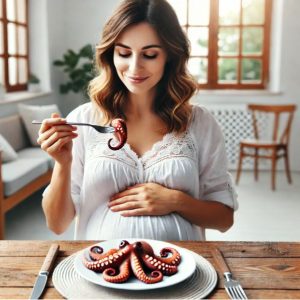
column 97, row 148
column 170, row 145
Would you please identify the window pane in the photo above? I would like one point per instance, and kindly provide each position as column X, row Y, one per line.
column 11, row 10
column 22, row 71
column 199, row 12
column 199, row 40
column 12, row 67
column 21, row 5
column 11, row 31
column 229, row 12
column 1, row 38
column 228, row 41
column 252, row 41
column 1, row 70
column 198, row 68
column 180, row 9
column 253, row 11
column 22, row 40
column 251, row 70
column 227, row 70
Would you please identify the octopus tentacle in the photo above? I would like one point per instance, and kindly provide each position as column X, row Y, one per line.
column 120, row 132
column 123, row 244
column 96, row 254
column 174, row 259
column 110, row 261
column 155, row 276
column 111, row 275
column 155, row 262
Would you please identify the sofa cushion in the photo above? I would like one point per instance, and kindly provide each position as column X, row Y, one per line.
column 35, row 112
column 17, row 173
column 36, row 152
column 14, row 132
column 8, row 153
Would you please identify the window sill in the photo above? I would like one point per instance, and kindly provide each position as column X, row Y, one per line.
column 21, row 96
column 235, row 97
column 226, row 92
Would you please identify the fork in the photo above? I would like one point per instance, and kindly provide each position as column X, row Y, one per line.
column 232, row 287
column 101, row 129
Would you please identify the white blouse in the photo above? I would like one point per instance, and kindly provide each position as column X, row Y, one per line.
column 194, row 163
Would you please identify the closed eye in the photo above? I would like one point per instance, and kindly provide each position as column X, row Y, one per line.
column 124, row 54
column 147, row 56
column 153, row 56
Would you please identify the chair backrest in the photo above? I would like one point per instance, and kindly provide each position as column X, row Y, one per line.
column 278, row 135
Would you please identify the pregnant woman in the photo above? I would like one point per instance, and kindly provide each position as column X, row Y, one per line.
column 169, row 181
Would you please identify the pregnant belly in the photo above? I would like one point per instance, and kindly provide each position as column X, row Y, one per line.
column 105, row 224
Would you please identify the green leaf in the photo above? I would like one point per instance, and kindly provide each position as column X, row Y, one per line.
column 78, row 85
column 72, row 60
column 87, row 67
column 58, row 63
column 71, row 53
column 64, row 88
column 87, row 51
column 78, row 73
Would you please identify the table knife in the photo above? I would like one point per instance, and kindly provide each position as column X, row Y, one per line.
column 41, row 279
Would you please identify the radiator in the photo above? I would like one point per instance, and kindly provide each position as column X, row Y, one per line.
column 236, row 124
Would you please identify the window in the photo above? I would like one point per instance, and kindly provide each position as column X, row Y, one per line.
column 14, row 44
column 229, row 41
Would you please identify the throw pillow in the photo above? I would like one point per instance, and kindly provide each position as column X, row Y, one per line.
column 8, row 152
column 35, row 112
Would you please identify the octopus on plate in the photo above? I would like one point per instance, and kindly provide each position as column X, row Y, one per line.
column 137, row 258
column 120, row 132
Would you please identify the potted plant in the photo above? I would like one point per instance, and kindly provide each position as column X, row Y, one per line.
column 33, row 83
column 78, row 67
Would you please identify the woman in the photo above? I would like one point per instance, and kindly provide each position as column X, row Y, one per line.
column 169, row 181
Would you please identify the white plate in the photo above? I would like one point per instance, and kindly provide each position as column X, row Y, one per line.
column 186, row 267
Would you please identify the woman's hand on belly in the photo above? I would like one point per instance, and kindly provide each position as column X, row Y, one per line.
column 149, row 199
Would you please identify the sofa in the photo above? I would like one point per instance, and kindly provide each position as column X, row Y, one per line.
column 24, row 167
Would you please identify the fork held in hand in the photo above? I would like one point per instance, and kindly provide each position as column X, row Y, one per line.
column 101, row 129
column 232, row 287
column 118, row 127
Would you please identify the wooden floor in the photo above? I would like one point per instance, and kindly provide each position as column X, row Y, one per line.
column 263, row 215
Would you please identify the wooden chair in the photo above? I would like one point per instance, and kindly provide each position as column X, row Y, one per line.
column 276, row 147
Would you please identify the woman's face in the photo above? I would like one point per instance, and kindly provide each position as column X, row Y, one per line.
column 139, row 58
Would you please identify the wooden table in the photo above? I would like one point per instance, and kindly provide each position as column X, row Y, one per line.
column 265, row 270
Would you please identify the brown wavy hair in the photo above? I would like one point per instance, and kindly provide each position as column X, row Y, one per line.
column 175, row 88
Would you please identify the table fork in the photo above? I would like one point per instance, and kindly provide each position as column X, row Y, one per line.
column 101, row 129
column 232, row 287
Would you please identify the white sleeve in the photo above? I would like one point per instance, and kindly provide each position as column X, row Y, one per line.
column 77, row 168
column 215, row 182
column 81, row 114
